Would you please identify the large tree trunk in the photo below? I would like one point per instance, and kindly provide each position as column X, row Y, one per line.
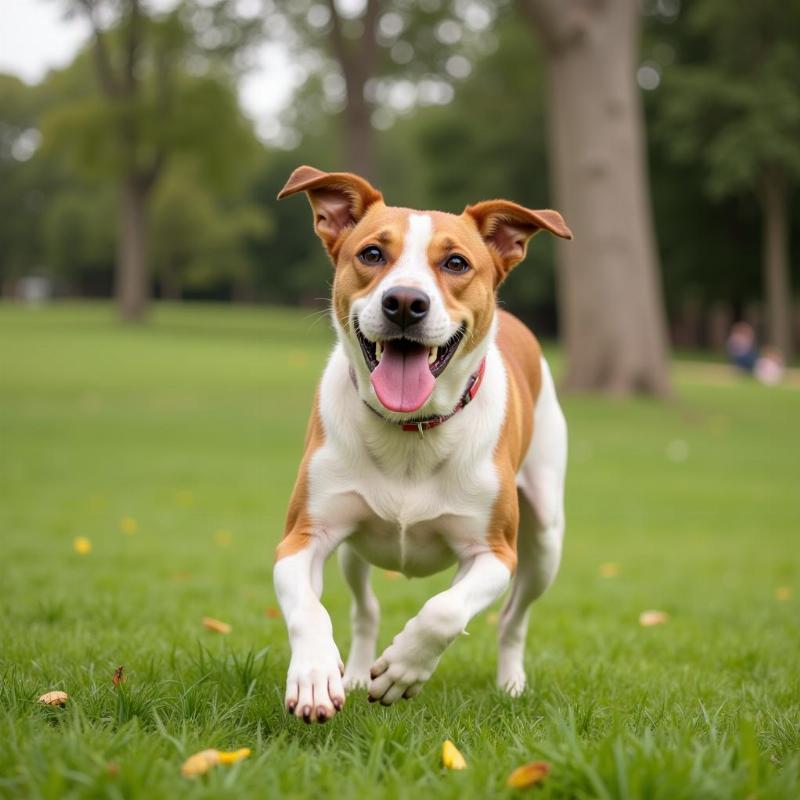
column 777, row 290
column 132, row 276
column 610, row 297
column 357, row 60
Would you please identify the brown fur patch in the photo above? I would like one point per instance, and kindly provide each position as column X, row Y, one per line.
column 522, row 359
column 299, row 525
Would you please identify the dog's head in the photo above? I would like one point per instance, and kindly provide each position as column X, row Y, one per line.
column 414, row 291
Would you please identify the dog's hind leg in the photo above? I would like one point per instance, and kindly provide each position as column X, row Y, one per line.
column 540, row 484
column 364, row 614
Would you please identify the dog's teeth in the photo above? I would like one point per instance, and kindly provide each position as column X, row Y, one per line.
column 432, row 355
column 378, row 350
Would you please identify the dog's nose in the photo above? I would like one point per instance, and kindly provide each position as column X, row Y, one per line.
column 405, row 305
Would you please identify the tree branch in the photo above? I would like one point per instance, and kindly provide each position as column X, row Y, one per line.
column 105, row 72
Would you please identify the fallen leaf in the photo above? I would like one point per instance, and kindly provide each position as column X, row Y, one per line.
column 128, row 525
column 528, row 775
column 112, row 769
column 216, row 625
column 184, row 575
column 492, row 618
column 81, row 545
column 272, row 612
column 609, row 569
column 783, row 593
column 391, row 575
column 649, row 618
column 119, row 676
column 451, row 757
column 201, row 762
column 223, row 538
column 54, row 698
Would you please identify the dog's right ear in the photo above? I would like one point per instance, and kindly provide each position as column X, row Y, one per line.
column 338, row 199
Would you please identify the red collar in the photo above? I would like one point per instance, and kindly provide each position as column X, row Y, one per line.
column 426, row 423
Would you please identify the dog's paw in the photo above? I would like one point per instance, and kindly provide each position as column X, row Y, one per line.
column 355, row 678
column 314, row 689
column 512, row 681
column 404, row 667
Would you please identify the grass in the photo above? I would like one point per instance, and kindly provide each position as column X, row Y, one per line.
column 194, row 424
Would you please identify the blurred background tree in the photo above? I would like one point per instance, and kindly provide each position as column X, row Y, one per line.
column 733, row 106
column 165, row 85
column 447, row 102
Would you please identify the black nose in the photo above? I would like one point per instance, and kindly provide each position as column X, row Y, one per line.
column 405, row 306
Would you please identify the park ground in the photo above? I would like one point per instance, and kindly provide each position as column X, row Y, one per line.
column 172, row 448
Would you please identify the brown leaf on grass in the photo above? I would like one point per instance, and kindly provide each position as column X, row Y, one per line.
column 272, row 612
column 216, row 625
column 128, row 525
column 528, row 775
column 391, row 575
column 649, row 618
column 201, row 762
column 609, row 569
column 119, row 676
column 492, row 618
column 54, row 698
column 451, row 757
column 783, row 593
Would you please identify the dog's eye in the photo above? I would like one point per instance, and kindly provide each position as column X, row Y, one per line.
column 372, row 256
column 456, row 263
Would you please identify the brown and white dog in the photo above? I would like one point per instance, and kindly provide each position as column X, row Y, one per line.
column 436, row 437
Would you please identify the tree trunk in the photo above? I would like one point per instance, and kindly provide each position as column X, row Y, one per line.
column 357, row 60
column 358, row 133
column 609, row 287
column 775, row 265
column 132, row 288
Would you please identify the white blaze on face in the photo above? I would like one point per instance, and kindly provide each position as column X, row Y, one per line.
column 411, row 269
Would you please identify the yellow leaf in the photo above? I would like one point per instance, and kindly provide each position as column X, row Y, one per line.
column 649, row 618
column 201, row 762
column 232, row 756
column 81, row 545
column 54, row 698
column 216, row 625
column 223, row 538
column 609, row 570
column 451, row 757
column 783, row 593
column 528, row 775
column 128, row 525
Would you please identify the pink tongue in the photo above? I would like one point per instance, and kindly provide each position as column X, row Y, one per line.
column 402, row 380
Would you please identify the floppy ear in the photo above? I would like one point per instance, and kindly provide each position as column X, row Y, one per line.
column 506, row 227
column 338, row 199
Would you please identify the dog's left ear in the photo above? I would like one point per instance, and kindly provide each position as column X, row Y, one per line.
column 338, row 199
column 506, row 227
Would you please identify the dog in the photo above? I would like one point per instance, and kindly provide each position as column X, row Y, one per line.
column 436, row 437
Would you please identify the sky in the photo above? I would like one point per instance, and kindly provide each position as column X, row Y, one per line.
column 35, row 37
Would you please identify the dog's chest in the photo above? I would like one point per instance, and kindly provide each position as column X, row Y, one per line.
column 415, row 525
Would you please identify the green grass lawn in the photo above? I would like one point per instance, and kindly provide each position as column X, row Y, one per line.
column 193, row 425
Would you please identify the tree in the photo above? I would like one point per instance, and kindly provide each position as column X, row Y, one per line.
column 611, row 307
column 389, row 58
column 199, row 242
column 733, row 105
column 150, row 104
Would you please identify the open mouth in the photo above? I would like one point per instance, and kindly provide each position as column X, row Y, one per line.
column 404, row 372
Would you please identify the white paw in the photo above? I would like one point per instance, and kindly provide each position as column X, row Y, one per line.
column 511, row 680
column 405, row 665
column 314, row 690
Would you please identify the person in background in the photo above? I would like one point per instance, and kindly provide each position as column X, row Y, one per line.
column 742, row 348
column 769, row 367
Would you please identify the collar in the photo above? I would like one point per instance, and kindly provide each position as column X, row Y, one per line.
column 426, row 423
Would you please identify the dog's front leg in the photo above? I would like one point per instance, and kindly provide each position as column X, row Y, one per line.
column 414, row 653
column 314, row 689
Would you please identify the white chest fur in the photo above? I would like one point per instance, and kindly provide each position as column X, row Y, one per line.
column 407, row 503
